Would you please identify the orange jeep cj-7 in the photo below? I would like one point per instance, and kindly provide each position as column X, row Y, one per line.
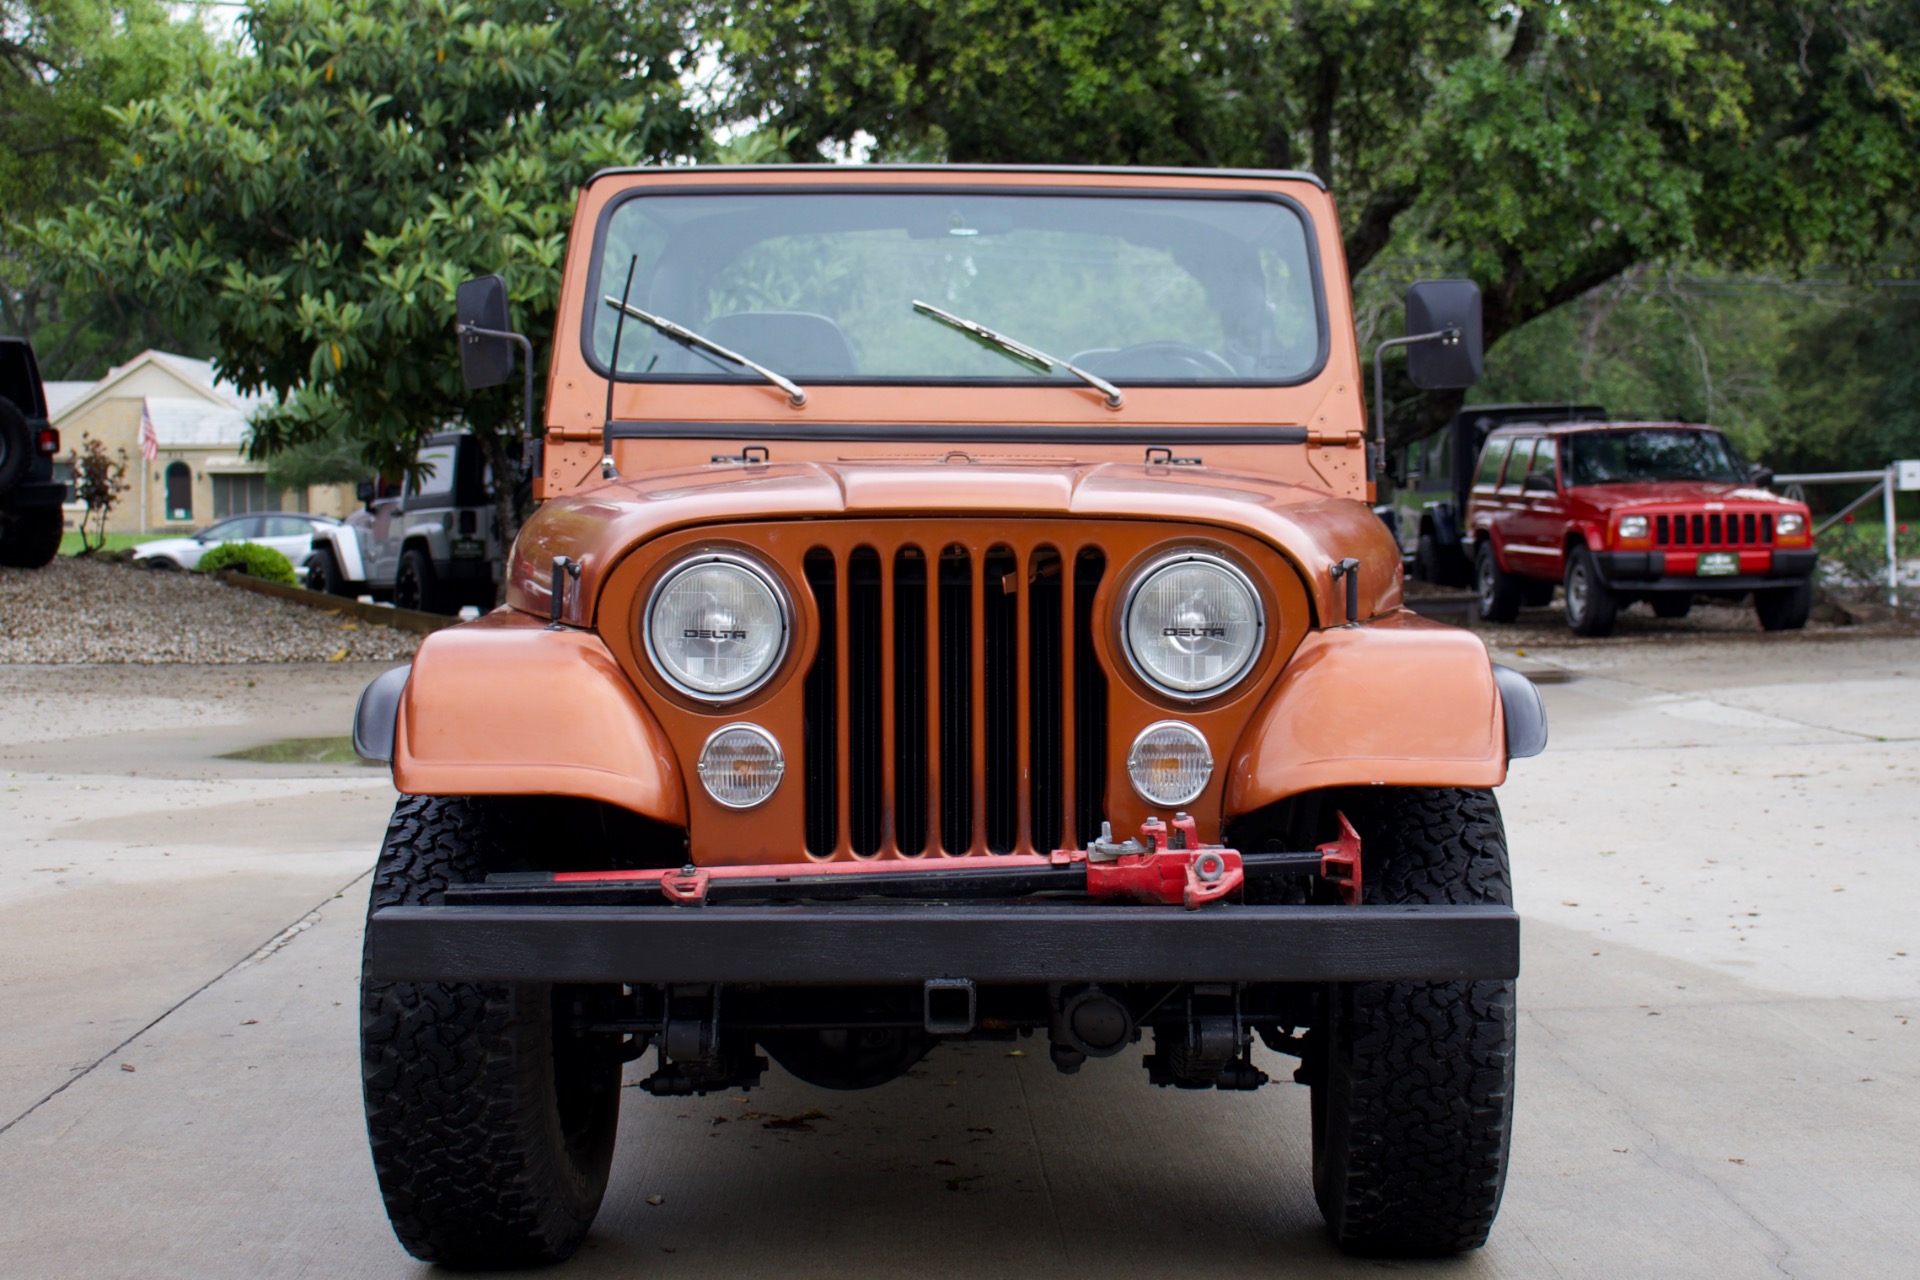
column 954, row 613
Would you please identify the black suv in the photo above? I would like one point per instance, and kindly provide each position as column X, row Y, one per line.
column 30, row 498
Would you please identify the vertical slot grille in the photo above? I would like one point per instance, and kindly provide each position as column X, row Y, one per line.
column 822, row 711
column 1089, row 701
column 864, row 694
column 1766, row 529
column 1003, row 670
column 910, row 700
column 956, row 700
column 1663, row 530
column 1046, row 676
column 955, row 703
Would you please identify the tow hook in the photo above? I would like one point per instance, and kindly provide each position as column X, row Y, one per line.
column 1162, row 867
column 686, row 887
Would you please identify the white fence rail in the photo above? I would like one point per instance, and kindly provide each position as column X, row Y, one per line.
column 1893, row 478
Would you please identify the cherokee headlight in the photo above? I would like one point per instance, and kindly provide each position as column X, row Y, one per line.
column 1789, row 524
column 716, row 626
column 1192, row 624
column 1633, row 527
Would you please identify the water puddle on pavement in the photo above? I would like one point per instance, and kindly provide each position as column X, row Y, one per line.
column 301, row 751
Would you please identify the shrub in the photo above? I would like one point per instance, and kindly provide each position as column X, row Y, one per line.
column 1855, row 555
column 254, row 561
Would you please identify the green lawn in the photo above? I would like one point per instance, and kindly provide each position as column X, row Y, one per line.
column 70, row 542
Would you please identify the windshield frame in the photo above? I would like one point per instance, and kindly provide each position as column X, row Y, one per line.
column 1309, row 234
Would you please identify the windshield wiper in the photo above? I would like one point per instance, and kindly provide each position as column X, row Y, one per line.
column 1020, row 350
column 796, row 395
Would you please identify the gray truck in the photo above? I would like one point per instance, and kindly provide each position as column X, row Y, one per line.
column 432, row 544
column 30, row 498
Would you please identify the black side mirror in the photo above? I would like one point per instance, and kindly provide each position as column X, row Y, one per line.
column 365, row 491
column 486, row 350
column 1760, row 476
column 1450, row 308
column 1539, row 482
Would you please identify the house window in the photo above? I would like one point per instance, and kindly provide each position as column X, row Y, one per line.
column 179, row 491
column 235, row 495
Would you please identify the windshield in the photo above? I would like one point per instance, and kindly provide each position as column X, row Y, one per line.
column 1651, row 453
column 821, row 287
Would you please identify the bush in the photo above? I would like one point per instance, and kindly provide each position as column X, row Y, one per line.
column 254, row 561
column 1855, row 555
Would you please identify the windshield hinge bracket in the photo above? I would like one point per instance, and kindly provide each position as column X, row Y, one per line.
column 1158, row 455
column 752, row 455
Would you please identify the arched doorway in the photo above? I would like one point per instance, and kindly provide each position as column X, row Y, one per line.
column 179, row 491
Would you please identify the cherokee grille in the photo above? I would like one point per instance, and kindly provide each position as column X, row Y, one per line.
column 955, row 703
column 1718, row 529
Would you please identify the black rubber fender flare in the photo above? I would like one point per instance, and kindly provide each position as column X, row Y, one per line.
column 1525, row 712
column 376, row 714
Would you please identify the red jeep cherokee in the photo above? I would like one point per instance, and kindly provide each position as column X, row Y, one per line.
column 1625, row 511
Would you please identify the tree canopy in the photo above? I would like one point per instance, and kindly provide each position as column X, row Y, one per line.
column 1542, row 147
column 64, row 66
column 321, row 195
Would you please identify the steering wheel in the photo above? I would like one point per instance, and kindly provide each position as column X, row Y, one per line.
column 1163, row 359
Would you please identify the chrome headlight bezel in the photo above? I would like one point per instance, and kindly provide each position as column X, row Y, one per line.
column 1238, row 576
column 783, row 604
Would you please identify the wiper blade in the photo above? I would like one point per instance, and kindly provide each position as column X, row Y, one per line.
column 796, row 395
column 1020, row 350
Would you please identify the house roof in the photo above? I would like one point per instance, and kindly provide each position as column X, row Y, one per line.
column 61, row 394
column 196, row 424
column 194, row 376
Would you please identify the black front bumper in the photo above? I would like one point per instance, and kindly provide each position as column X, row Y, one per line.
column 836, row 944
column 1647, row 571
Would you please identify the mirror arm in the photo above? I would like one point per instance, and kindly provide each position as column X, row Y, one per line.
column 526, row 371
column 1377, row 457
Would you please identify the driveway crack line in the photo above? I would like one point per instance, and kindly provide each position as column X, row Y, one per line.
column 259, row 953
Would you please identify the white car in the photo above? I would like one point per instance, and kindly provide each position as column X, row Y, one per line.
column 288, row 532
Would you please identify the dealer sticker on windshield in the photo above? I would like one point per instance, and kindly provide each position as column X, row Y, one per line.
column 1718, row 564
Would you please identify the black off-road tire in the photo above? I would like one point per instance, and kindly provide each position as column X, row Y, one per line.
column 1592, row 607
column 1500, row 591
column 31, row 539
column 1784, row 608
column 417, row 586
column 323, row 574
column 491, row 1135
column 1672, row 604
column 1413, row 1081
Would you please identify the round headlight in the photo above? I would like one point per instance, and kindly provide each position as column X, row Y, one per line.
column 1170, row 763
column 716, row 626
column 741, row 765
column 1192, row 624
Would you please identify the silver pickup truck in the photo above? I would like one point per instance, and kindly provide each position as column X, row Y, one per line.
column 432, row 544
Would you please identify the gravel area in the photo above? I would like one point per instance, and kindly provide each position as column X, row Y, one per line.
column 77, row 610
column 1711, row 621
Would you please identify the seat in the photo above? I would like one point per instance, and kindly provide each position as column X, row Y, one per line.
column 799, row 344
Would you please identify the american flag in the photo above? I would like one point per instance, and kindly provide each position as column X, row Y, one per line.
column 149, row 437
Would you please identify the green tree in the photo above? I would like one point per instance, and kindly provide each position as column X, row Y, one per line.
column 321, row 197
column 1542, row 146
column 64, row 66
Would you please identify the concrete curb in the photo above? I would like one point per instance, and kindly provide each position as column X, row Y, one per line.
column 379, row 614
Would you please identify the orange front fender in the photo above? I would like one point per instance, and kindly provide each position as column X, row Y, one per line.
column 1398, row 701
column 503, row 706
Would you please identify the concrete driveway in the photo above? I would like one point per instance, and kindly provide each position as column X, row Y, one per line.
column 1719, row 1049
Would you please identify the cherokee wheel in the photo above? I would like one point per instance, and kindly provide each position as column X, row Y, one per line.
column 1591, row 604
column 1784, row 608
column 492, row 1135
column 1499, row 590
column 1413, row 1081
